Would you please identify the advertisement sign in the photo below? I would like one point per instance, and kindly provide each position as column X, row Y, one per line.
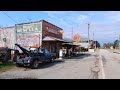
column 29, row 34
column 29, row 27
column 76, row 38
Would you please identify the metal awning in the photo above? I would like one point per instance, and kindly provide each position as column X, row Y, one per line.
column 48, row 38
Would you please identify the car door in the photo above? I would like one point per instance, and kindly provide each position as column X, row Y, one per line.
column 41, row 54
column 47, row 54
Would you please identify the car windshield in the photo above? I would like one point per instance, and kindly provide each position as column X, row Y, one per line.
column 41, row 50
column 33, row 50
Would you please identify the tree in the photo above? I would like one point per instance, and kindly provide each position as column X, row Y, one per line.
column 116, row 44
column 108, row 45
column 93, row 43
column 97, row 44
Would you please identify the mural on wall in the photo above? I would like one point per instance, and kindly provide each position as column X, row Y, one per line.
column 28, row 40
column 29, row 34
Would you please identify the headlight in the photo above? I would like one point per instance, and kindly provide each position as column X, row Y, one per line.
column 28, row 61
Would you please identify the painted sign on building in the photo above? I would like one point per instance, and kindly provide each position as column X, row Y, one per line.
column 29, row 27
column 29, row 34
column 28, row 40
column 54, row 31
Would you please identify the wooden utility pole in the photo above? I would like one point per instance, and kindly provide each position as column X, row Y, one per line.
column 88, row 35
column 119, row 41
column 93, row 37
column 72, row 40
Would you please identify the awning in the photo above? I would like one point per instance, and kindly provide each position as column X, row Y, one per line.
column 48, row 38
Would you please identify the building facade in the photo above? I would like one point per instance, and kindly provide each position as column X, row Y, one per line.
column 29, row 34
column 40, row 33
column 52, row 37
column 7, row 37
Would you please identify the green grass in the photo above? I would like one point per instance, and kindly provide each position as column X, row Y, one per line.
column 6, row 66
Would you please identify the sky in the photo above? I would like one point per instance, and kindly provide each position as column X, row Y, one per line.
column 104, row 24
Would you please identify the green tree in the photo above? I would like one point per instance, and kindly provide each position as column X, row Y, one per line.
column 116, row 44
column 97, row 44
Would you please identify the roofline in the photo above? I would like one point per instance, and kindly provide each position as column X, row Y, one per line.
column 39, row 21
column 7, row 27
column 51, row 24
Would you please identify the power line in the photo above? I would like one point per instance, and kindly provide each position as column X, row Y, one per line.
column 9, row 16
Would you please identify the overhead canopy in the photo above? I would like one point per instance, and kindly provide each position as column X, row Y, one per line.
column 48, row 38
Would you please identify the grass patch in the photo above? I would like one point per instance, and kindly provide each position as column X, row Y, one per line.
column 6, row 66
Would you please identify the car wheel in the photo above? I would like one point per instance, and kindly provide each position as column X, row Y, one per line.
column 18, row 65
column 51, row 60
column 35, row 64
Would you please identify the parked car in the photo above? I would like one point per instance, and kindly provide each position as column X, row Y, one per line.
column 33, row 57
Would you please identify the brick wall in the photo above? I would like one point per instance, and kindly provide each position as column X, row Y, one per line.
column 45, row 32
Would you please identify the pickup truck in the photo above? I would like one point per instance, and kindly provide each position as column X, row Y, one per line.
column 33, row 57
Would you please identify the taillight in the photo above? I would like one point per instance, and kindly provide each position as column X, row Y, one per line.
column 24, row 55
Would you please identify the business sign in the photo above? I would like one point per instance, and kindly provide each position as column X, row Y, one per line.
column 54, row 31
column 29, row 27
column 76, row 38
column 29, row 34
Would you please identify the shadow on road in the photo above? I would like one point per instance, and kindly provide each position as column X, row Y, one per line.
column 79, row 57
column 44, row 65
column 50, row 64
column 116, row 52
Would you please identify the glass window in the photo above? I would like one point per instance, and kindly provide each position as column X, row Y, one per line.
column 46, row 51
column 41, row 50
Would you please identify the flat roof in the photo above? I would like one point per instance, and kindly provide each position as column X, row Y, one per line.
column 39, row 21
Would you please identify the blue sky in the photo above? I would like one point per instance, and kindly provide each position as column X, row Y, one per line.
column 104, row 24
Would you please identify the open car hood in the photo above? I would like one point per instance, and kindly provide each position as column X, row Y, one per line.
column 23, row 49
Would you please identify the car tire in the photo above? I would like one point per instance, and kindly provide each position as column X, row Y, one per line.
column 51, row 60
column 35, row 64
column 18, row 65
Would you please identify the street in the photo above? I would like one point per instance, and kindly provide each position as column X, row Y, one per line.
column 73, row 68
column 111, row 64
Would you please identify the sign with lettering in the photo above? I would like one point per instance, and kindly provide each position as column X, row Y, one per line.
column 29, row 27
column 52, row 30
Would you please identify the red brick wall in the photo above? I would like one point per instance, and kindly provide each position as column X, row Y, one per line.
column 46, row 33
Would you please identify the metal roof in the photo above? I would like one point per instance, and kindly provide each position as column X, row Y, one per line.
column 49, row 38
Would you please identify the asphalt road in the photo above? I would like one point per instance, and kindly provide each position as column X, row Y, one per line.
column 111, row 64
column 72, row 68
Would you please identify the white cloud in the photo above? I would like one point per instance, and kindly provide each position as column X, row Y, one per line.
column 105, row 25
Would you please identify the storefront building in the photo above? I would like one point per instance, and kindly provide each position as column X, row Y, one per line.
column 40, row 33
column 52, row 37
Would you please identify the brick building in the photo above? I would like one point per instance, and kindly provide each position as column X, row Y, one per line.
column 40, row 33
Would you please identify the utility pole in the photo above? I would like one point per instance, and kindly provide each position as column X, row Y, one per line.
column 72, row 40
column 88, row 35
column 119, row 41
column 93, row 36
column 93, row 40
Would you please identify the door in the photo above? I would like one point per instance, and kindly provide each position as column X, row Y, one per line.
column 47, row 55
